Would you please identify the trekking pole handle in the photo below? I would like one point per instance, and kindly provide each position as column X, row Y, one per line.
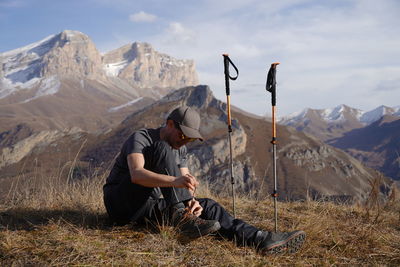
column 228, row 77
column 271, row 82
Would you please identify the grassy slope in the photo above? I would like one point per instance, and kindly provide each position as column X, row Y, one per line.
column 56, row 223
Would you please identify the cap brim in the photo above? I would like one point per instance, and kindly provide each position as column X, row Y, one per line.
column 191, row 133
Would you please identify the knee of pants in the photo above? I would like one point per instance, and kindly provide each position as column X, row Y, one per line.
column 208, row 202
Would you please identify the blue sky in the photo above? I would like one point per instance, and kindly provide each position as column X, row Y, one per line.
column 331, row 52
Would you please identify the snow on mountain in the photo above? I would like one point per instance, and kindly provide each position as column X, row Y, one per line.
column 339, row 114
column 72, row 55
column 113, row 69
column 22, row 68
column 332, row 115
column 48, row 86
column 396, row 111
column 294, row 117
column 375, row 114
column 113, row 109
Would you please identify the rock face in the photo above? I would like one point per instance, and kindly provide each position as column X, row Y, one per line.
column 143, row 67
column 73, row 54
column 68, row 54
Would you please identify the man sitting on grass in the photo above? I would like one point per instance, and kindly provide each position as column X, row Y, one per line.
column 153, row 163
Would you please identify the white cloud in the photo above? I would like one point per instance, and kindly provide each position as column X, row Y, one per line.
column 178, row 34
column 142, row 17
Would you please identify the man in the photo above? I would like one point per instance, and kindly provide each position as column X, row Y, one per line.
column 152, row 163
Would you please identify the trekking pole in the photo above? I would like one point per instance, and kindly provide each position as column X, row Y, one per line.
column 271, row 87
column 228, row 61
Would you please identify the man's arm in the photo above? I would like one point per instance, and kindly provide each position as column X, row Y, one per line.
column 184, row 170
column 193, row 204
column 139, row 175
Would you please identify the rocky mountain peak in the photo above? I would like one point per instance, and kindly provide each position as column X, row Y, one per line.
column 41, row 68
column 340, row 114
column 73, row 36
column 74, row 55
column 377, row 113
column 143, row 67
column 69, row 53
column 200, row 96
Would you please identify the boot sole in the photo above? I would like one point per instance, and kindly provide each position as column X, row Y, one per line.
column 289, row 245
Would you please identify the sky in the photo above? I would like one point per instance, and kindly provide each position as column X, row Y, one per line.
column 330, row 52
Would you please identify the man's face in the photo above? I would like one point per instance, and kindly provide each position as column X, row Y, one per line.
column 177, row 139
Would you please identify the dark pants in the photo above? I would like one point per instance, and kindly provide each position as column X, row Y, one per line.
column 128, row 202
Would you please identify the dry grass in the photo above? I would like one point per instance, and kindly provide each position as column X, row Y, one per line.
column 58, row 223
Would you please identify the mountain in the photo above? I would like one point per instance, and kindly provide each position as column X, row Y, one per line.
column 325, row 124
column 377, row 145
column 306, row 166
column 143, row 67
column 369, row 136
column 332, row 123
column 376, row 114
column 63, row 82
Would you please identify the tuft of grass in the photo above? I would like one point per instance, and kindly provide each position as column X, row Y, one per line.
column 57, row 222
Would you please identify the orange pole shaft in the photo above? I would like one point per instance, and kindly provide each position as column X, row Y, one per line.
column 228, row 102
column 274, row 122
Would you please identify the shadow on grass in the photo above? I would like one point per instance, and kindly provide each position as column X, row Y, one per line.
column 28, row 218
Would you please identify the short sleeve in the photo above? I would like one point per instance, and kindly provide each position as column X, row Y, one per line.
column 136, row 143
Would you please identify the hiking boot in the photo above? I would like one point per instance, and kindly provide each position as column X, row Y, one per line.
column 191, row 226
column 271, row 242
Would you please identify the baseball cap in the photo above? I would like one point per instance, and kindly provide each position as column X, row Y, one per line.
column 188, row 120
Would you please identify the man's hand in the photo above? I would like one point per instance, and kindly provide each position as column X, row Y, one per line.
column 186, row 181
column 194, row 207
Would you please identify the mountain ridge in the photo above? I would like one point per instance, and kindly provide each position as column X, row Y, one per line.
column 370, row 136
column 332, row 123
column 72, row 53
column 61, row 82
column 306, row 166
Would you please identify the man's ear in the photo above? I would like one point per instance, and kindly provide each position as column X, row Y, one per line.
column 170, row 123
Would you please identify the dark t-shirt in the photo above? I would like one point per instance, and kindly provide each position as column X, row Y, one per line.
column 140, row 142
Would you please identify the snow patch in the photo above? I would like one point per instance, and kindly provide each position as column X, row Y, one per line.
column 375, row 114
column 294, row 117
column 396, row 110
column 21, row 68
column 49, row 86
column 27, row 48
column 7, row 87
column 113, row 69
column 333, row 115
column 339, row 113
column 125, row 105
